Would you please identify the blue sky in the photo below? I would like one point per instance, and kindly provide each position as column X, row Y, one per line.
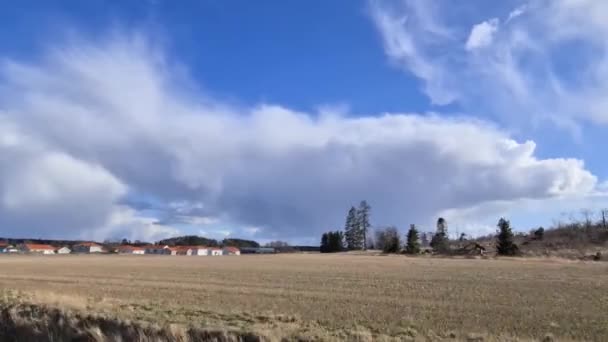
column 269, row 119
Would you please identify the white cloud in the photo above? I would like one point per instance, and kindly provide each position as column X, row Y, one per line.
column 482, row 34
column 125, row 222
column 548, row 66
column 123, row 121
column 516, row 13
column 406, row 33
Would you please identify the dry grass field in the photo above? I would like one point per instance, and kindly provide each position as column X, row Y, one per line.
column 328, row 297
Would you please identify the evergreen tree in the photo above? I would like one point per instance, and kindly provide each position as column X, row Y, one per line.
column 504, row 243
column 351, row 227
column 413, row 246
column 442, row 226
column 363, row 223
column 336, row 241
column 392, row 242
column 325, row 243
column 439, row 241
column 332, row 242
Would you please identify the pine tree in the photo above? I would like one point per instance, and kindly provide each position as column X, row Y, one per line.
column 442, row 226
column 392, row 242
column 504, row 243
column 439, row 241
column 325, row 243
column 332, row 242
column 336, row 241
column 363, row 223
column 413, row 245
column 351, row 229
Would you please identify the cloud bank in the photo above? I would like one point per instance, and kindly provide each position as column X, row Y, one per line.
column 92, row 128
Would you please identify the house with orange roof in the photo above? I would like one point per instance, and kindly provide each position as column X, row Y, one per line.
column 37, row 248
column 87, row 247
column 193, row 250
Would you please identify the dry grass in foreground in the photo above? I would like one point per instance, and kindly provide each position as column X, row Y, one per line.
column 315, row 297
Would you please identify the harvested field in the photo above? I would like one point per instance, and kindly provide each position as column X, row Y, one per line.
column 327, row 296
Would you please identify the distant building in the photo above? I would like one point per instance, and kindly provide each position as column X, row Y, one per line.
column 131, row 250
column 231, row 251
column 168, row 250
column 63, row 250
column 88, row 247
column 155, row 249
column 215, row 251
column 7, row 248
column 37, row 248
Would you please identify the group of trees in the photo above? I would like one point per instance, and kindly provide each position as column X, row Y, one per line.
column 332, row 242
column 389, row 241
column 355, row 232
column 355, row 236
column 357, row 226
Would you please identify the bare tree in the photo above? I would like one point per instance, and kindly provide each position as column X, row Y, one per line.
column 587, row 217
column 604, row 213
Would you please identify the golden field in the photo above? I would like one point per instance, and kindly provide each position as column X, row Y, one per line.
column 327, row 297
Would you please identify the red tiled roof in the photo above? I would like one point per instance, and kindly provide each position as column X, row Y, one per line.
column 232, row 249
column 39, row 246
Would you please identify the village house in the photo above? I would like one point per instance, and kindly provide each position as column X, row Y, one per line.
column 7, row 248
column 88, row 247
column 37, row 248
column 156, row 249
column 171, row 250
column 184, row 250
column 131, row 250
column 63, row 250
column 231, row 251
column 192, row 250
column 213, row 251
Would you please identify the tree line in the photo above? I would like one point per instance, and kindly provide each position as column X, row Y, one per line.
column 357, row 226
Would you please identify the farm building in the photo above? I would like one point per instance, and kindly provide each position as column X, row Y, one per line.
column 231, row 251
column 171, row 250
column 215, row 251
column 131, row 250
column 193, row 250
column 37, row 248
column 63, row 250
column 184, row 250
column 7, row 248
column 88, row 247
column 201, row 250
column 156, row 249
